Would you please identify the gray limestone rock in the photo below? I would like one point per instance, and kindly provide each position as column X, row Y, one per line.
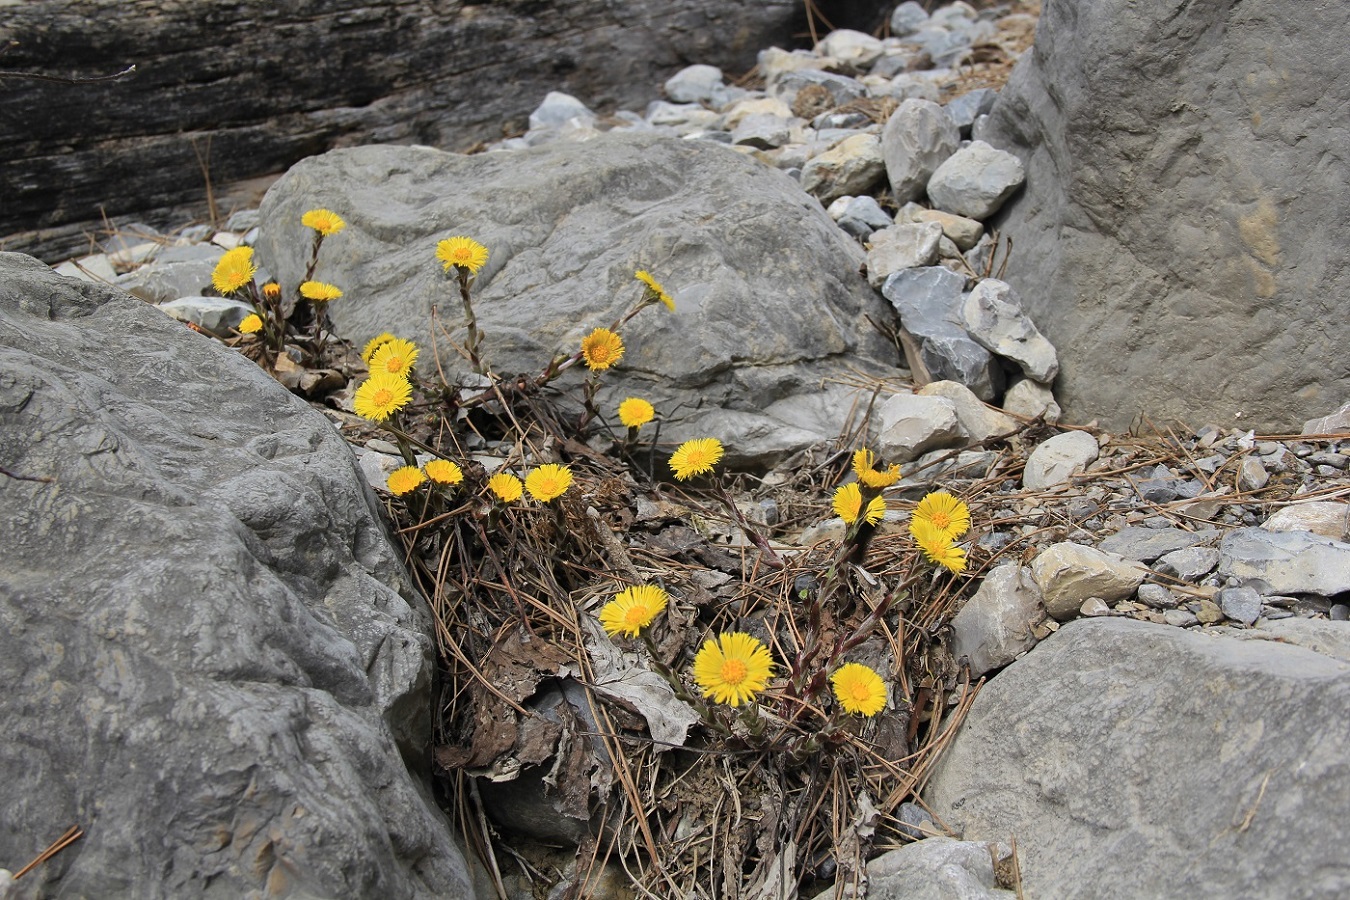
column 968, row 107
column 1141, row 760
column 762, row 131
column 964, row 233
column 1056, row 459
column 918, row 137
column 1190, row 564
column 928, row 300
column 975, row 181
column 693, row 84
column 996, row 625
column 1028, row 398
column 1147, row 544
column 978, row 421
column 1241, row 604
column 936, row 868
column 851, row 167
column 214, row 660
column 898, row 247
column 1069, row 573
column 908, row 18
column 826, row 90
column 1179, row 209
column 566, row 226
column 863, row 216
column 909, row 425
column 1290, row 562
column 1325, row 517
column 215, row 314
column 992, row 315
column 558, row 109
column 1333, row 423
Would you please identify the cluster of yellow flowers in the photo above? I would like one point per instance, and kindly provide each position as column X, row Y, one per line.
column 544, row 483
column 937, row 522
column 235, row 271
column 735, row 667
column 440, row 472
column 389, row 387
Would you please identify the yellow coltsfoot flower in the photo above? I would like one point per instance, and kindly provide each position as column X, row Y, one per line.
column 380, row 396
column 324, row 221
column 252, row 322
column 733, row 668
column 635, row 412
column 319, row 292
column 859, row 689
column 695, row 457
column 404, row 480
column 633, row 609
column 601, row 349
column 234, row 270
column 654, row 289
column 464, row 252
column 394, row 357
column 443, row 471
column 940, row 549
column 848, row 505
column 864, row 464
column 548, row 482
column 506, row 486
column 944, row 512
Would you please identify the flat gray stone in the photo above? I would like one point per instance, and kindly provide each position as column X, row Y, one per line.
column 1290, row 562
column 1241, row 604
column 1147, row 544
column 693, row 84
column 216, row 314
column 1189, row 564
column 978, row 421
column 1028, row 398
column 1325, row 517
column 1091, row 749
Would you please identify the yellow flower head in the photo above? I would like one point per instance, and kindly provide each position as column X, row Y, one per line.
column 944, row 512
column 654, row 288
column 250, row 324
column 374, row 344
column 381, row 395
column 864, row 464
column 319, row 292
column 443, row 471
column 694, row 457
column 601, row 349
column 271, row 290
column 324, row 221
column 633, row 609
column 506, row 486
column 733, row 668
column 937, row 546
column 404, row 480
column 859, row 689
column 234, row 270
column 394, row 357
column 548, row 482
column 635, row 412
column 463, row 252
column 848, row 505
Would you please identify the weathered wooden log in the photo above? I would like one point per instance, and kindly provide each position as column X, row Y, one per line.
column 244, row 89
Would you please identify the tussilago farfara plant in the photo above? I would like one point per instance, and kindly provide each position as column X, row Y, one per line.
column 800, row 681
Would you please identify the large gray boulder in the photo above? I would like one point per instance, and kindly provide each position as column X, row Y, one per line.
column 769, row 299
column 213, row 658
column 1140, row 760
column 249, row 92
column 1180, row 235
